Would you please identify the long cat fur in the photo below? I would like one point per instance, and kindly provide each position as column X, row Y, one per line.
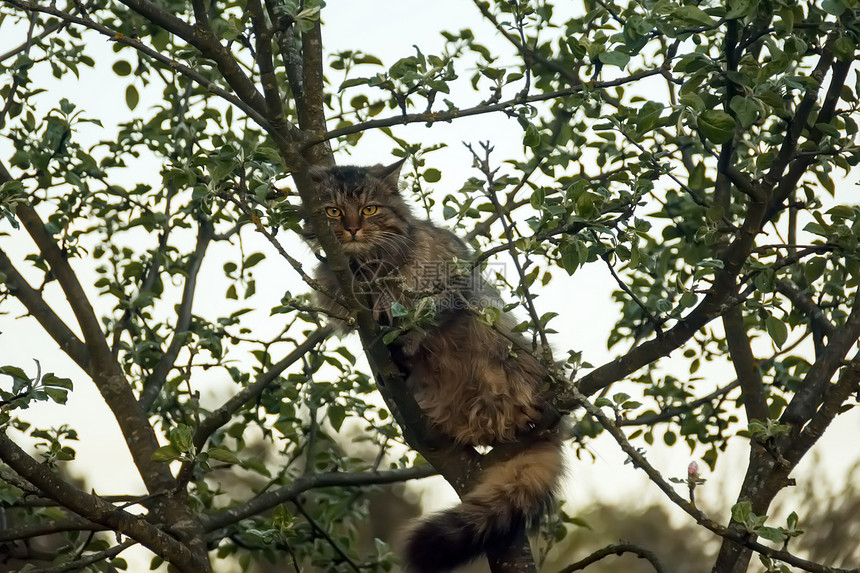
column 469, row 378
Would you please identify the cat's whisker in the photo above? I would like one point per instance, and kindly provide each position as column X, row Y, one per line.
column 392, row 244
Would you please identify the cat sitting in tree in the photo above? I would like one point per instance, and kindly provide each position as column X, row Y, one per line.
column 468, row 377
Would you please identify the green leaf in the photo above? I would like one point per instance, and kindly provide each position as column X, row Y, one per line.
column 66, row 106
column 432, row 175
column 10, row 188
column 181, row 438
column 538, row 197
column 694, row 101
column 771, row 534
column 717, row 126
column 398, row 310
column 132, row 98
column 835, row 7
column 122, row 68
column 746, row 109
column 740, row 8
column 58, row 395
column 777, row 330
column 336, row 416
column 52, row 380
column 814, row 268
column 695, row 15
column 570, row 260
column 165, row 454
column 614, row 58
column 532, row 137
column 390, row 336
column 14, row 372
column 742, row 511
column 222, row 454
column 715, row 213
column 253, row 259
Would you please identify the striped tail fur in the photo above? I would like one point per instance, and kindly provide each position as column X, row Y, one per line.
column 509, row 496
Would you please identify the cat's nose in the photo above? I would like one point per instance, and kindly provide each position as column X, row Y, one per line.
column 352, row 231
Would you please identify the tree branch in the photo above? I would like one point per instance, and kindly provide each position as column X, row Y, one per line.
column 155, row 381
column 167, row 62
column 812, row 391
column 79, row 564
column 669, row 413
column 617, row 549
column 96, row 509
column 203, row 38
column 847, row 384
column 745, row 364
column 311, row 108
column 430, row 118
column 265, row 63
column 53, row 526
column 301, row 484
column 788, row 183
column 802, row 302
column 32, row 300
column 642, row 463
column 107, row 373
column 712, row 306
column 223, row 414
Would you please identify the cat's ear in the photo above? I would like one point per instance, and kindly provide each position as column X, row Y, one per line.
column 390, row 174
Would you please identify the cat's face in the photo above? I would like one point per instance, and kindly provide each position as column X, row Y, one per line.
column 365, row 209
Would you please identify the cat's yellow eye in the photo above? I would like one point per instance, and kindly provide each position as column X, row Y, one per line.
column 369, row 210
column 332, row 211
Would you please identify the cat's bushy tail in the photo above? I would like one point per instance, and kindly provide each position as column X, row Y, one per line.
column 508, row 496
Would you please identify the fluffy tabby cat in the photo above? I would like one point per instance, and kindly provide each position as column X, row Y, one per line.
column 468, row 377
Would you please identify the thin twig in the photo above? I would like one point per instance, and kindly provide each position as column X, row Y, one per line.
column 639, row 461
column 617, row 549
column 80, row 564
column 326, row 536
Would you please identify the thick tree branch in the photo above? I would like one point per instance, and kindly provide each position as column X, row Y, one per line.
column 770, row 467
column 811, row 392
column 801, row 115
column 806, row 305
column 96, row 509
column 204, row 39
column 745, row 364
column 835, row 396
column 107, row 374
column 32, row 300
column 788, row 183
column 265, row 63
column 711, row 307
column 54, row 526
column 311, row 108
column 167, row 62
column 112, row 384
